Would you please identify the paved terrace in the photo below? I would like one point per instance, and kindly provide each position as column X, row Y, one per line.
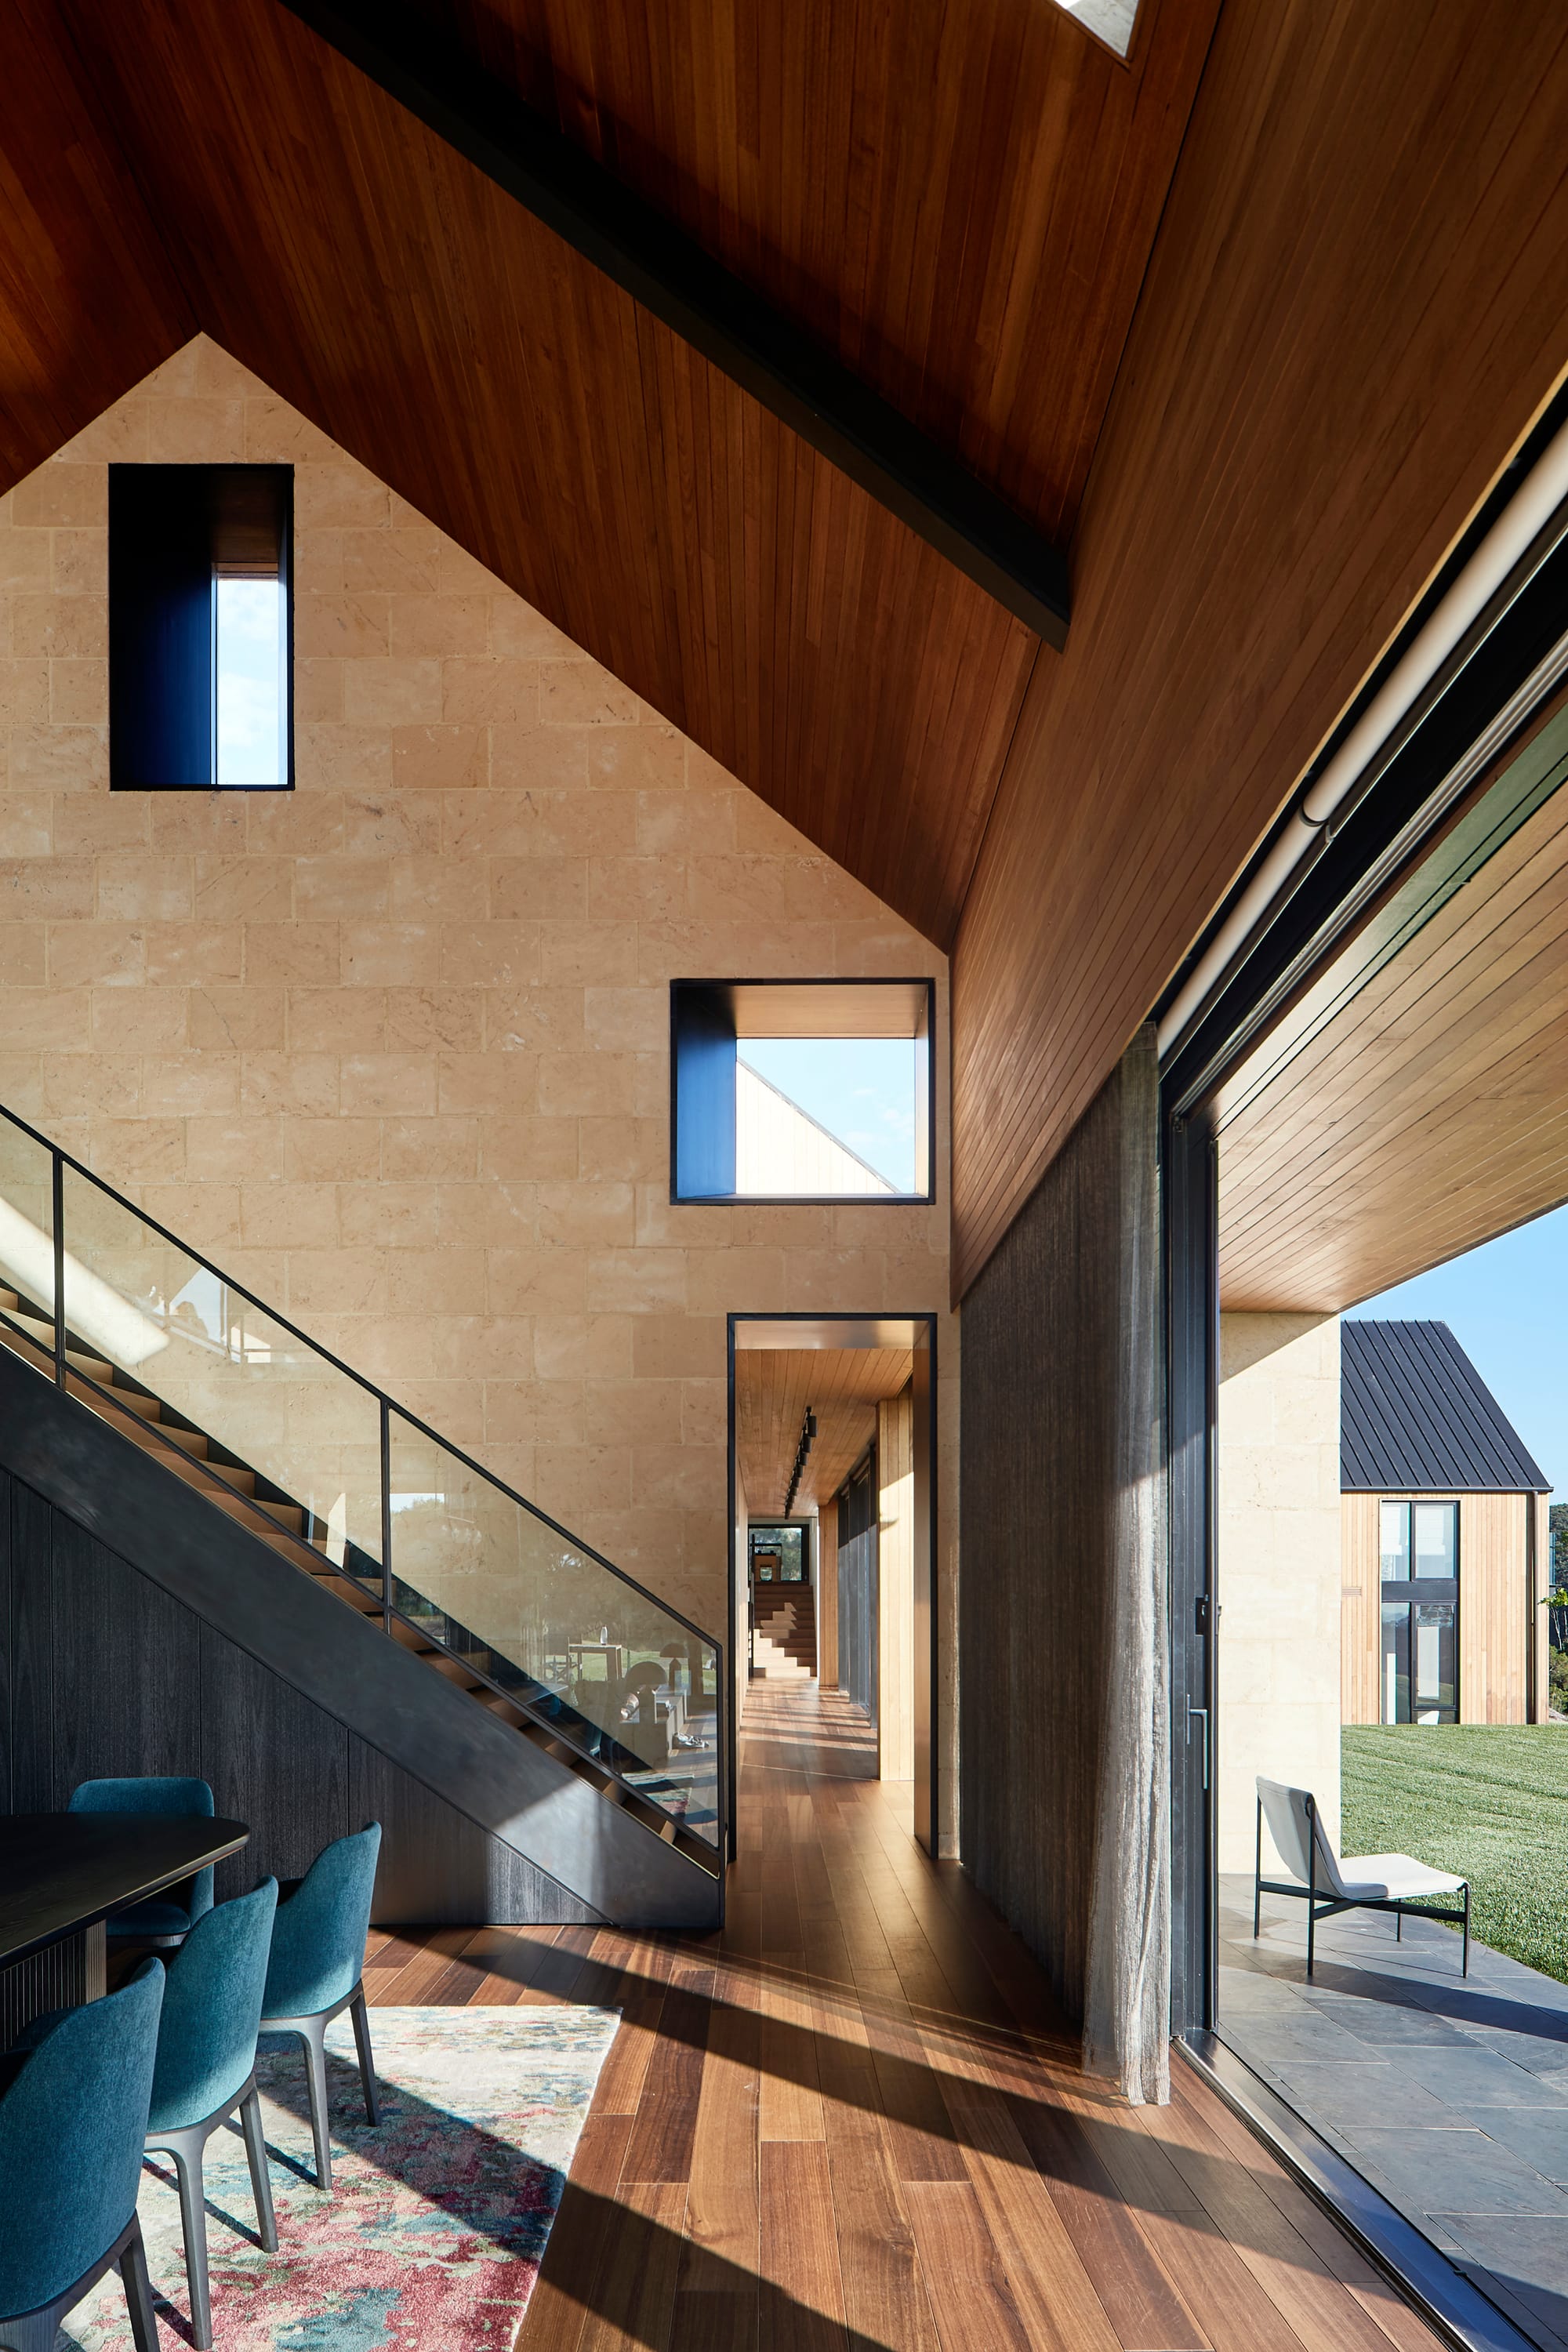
column 1450, row 2094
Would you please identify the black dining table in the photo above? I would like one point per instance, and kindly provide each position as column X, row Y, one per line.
column 62, row 1874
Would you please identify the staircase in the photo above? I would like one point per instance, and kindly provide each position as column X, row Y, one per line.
column 783, row 1639
column 292, row 1504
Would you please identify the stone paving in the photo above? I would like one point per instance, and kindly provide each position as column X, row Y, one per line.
column 1450, row 2094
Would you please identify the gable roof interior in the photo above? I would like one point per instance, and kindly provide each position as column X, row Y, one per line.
column 958, row 203
column 1416, row 1414
column 1257, row 397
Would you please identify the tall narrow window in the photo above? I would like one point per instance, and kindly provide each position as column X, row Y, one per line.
column 1419, row 1543
column 200, row 628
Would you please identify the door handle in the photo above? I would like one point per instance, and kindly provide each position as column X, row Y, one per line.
column 1204, row 1713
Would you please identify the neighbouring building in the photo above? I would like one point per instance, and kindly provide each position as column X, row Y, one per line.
column 1445, row 1538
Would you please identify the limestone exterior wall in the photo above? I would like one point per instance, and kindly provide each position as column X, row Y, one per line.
column 1278, row 1567
column 394, row 1047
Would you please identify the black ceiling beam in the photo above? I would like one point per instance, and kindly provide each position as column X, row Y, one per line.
column 710, row 308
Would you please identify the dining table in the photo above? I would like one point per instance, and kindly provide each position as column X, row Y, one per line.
column 62, row 1875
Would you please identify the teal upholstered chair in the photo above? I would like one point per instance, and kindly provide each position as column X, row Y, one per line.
column 172, row 1912
column 72, row 2118
column 318, row 1956
column 207, row 2068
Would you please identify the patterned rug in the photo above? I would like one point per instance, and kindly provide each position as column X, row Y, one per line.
column 432, row 2240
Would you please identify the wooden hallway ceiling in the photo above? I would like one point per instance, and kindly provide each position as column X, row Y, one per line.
column 958, row 203
column 774, row 1388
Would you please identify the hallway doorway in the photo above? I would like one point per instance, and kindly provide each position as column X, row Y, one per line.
column 832, row 1453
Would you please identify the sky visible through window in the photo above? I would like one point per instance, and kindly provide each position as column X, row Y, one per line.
column 862, row 1089
column 248, row 647
column 1503, row 1303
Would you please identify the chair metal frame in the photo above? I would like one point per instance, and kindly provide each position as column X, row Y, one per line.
column 1328, row 1905
column 187, row 2146
column 313, row 2032
column 36, row 2330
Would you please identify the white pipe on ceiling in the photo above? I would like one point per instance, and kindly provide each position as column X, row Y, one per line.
column 1527, row 513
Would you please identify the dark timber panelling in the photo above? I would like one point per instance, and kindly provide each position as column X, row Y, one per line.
column 1041, row 1410
column 103, row 1673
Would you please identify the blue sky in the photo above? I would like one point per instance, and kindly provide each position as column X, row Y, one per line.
column 1503, row 1303
column 249, row 670
column 862, row 1089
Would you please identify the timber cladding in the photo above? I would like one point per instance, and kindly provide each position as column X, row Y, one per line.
column 1494, row 1607
column 1351, row 316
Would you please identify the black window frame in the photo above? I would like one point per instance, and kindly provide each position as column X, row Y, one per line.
column 703, row 1039
column 168, row 527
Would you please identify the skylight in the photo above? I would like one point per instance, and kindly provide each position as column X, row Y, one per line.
column 1111, row 20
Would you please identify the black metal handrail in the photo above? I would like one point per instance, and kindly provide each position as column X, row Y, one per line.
column 60, row 1161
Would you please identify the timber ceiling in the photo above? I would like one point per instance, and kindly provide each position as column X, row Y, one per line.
column 843, row 1386
column 959, row 203
column 1428, row 1114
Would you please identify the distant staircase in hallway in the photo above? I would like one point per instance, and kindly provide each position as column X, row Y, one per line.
column 784, row 1638
column 291, row 1504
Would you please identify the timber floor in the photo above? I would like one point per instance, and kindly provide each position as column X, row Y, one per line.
column 851, row 2121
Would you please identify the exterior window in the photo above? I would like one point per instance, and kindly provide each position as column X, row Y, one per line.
column 199, row 635
column 1419, row 1543
column 778, row 1555
column 802, row 1090
column 1395, row 1518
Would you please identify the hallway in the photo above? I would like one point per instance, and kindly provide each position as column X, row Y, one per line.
column 848, row 2122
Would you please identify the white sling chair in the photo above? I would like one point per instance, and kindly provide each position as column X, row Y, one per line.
column 1362, row 1882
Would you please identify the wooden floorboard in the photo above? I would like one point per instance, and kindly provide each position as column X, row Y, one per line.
column 853, row 2122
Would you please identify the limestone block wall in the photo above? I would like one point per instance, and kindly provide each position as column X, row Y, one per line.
column 392, row 1047
column 1278, row 1567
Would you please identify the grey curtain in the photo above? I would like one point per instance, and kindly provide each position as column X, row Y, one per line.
column 1127, row 1992
column 1063, row 1650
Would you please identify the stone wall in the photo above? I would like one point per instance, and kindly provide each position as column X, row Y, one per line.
column 1278, row 1579
column 392, row 1048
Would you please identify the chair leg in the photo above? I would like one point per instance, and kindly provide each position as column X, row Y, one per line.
column 194, row 2223
column 1466, row 1970
column 1399, row 1923
column 260, row 2181
column 1311, row 1931
column 138, row 2294
column 366, row 2062
column 313, row 2034
column 1257, row 1875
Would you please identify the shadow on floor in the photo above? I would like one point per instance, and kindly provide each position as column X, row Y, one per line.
column 1450, row 2094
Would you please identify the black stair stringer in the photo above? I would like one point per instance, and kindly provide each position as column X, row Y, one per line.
column 520, row 1793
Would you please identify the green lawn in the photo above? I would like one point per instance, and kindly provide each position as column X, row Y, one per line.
column 1488, row 1800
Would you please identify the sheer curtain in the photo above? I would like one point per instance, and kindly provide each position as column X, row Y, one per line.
column 1127, row 1992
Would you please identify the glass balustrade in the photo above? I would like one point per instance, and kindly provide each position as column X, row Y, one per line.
column 617, row 1675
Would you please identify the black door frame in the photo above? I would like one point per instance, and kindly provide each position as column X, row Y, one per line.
column 927, row 1552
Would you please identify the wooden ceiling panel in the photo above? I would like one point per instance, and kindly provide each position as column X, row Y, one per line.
column 89, row 304
column 959, row 203
column 1430, row 1114
column 604, row 470
column 774, row 1387
column 1353, row 313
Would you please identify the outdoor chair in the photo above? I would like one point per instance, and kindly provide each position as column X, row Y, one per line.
column 173, row 1911
column 1364, row 1882
column 318, row 1956
column 72, row 2114
column 207, row 2068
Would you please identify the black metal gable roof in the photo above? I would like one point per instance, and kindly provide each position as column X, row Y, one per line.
column 1416, row 1414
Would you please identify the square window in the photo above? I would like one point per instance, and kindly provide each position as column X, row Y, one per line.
column 802, row 1090
column 200, row 628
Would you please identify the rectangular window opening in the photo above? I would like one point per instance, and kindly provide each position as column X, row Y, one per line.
column 802, row 1090
column 200, row 628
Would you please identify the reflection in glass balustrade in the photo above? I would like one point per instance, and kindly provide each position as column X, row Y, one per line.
column 618, row 1676
column 222, row 1363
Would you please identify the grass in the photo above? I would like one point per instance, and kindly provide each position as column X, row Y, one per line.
column 1488, row 1801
